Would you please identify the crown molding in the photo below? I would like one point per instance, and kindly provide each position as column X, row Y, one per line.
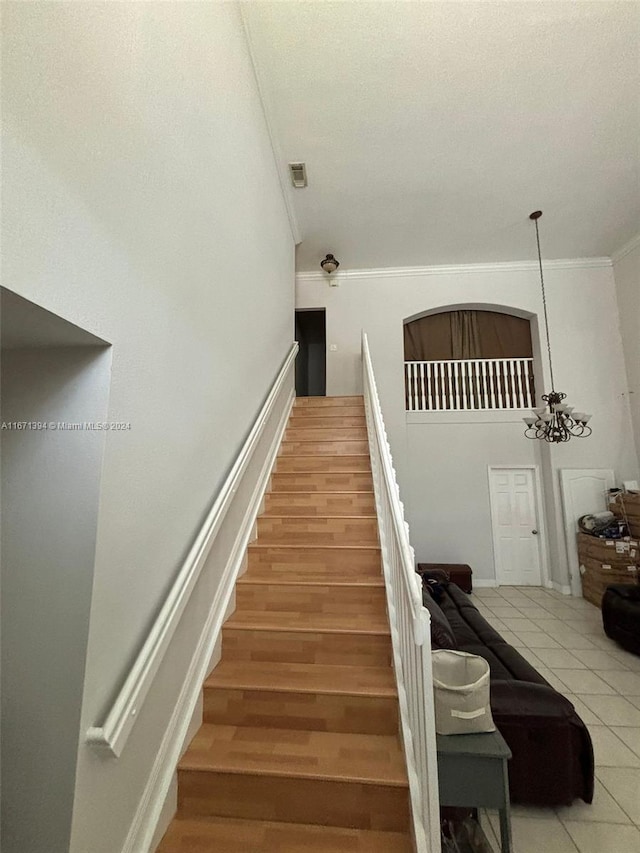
column 283, row 173
column 624, row 250
column 457, row 269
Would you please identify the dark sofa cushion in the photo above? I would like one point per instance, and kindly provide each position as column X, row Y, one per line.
column 441, row 634
column 467, row 624
column 505, row 662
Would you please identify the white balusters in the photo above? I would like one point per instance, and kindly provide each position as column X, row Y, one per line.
column 422, row 390
column 456, row 384
column 469, row 384
column 526, row 364
column 447, row 367
column 409, row 620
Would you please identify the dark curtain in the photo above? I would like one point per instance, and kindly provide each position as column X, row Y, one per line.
column 467, row 334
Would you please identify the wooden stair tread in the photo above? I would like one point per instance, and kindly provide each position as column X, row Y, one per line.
column 265, row 578
column 296, row 577
column 304, row 678
column 233, row 835
column 349, row 623
column 335, row 400
column 313, row 493
column 325, row 456
column 367, row 759
column 316, row 516
column 334, row 482
column 313, row 546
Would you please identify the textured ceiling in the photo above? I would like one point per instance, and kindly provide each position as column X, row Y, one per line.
column 431, row 130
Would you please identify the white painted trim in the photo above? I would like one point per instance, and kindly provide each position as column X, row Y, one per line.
column 458, row 269
column 559, row 587
column 150, row 807
column 477, row 416
column 484, row 583
column 540, row 519
column 268, row 112
column 623, row 251
column 113, row 733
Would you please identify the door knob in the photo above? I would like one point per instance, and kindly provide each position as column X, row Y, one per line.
column 534, row 531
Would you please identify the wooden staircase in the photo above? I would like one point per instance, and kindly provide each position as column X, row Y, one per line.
column 299, row 748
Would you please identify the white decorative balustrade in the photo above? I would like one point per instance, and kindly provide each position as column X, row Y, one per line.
column 468, row 385
column 410, row 628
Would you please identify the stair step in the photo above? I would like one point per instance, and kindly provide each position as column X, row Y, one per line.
column 327, row 418
column 310, row 597
column 315, row 563
column 345, row 757
column 339, row 432
column 320, row 503
column 301, row 413
column 317, row 530
column 295, row 646
column 233, row 835
column 322, row 482
column 304, row 402
column 285, row 620
column 305, row 678
column 331, row 778
column 324, row 448
column 302, row 697
column 325, row 463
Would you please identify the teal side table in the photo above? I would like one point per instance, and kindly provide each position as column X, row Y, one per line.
column 472, row 772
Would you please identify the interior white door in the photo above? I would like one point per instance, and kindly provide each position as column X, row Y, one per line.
column 583, row 491
column 515, row 526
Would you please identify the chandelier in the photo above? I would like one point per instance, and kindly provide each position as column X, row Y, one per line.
column 555, row 421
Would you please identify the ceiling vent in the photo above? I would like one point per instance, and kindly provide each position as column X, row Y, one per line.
column 298, row 174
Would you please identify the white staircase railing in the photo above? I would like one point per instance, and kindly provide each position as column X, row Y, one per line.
column 467, row 385
column 410, row 627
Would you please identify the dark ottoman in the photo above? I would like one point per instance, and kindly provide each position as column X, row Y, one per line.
column 621, row 615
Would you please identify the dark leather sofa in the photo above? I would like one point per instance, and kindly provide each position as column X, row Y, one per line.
column 552, row 762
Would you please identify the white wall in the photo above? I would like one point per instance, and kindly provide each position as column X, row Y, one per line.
column 626, row 269
column 142, row 203
column 442, row 468
column 50, row 490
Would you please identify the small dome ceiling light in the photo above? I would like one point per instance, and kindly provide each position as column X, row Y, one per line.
column 329, row 264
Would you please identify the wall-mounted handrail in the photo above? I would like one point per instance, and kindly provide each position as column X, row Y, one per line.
column 410, row 627
column 120, row 719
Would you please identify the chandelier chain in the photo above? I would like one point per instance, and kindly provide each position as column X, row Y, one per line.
column 544, row 305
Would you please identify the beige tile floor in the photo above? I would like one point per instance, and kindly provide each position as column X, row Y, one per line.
column 563, row 638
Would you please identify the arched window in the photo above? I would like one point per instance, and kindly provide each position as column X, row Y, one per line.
column 468, row 360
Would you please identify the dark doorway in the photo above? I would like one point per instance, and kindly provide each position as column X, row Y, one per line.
column 311, row 372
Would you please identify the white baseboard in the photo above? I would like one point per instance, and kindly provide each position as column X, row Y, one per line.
column 563, row 588
column 482, row 583
column 154, row 810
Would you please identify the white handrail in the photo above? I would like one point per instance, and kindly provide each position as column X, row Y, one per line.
column 113, row 733
column 410, row 627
